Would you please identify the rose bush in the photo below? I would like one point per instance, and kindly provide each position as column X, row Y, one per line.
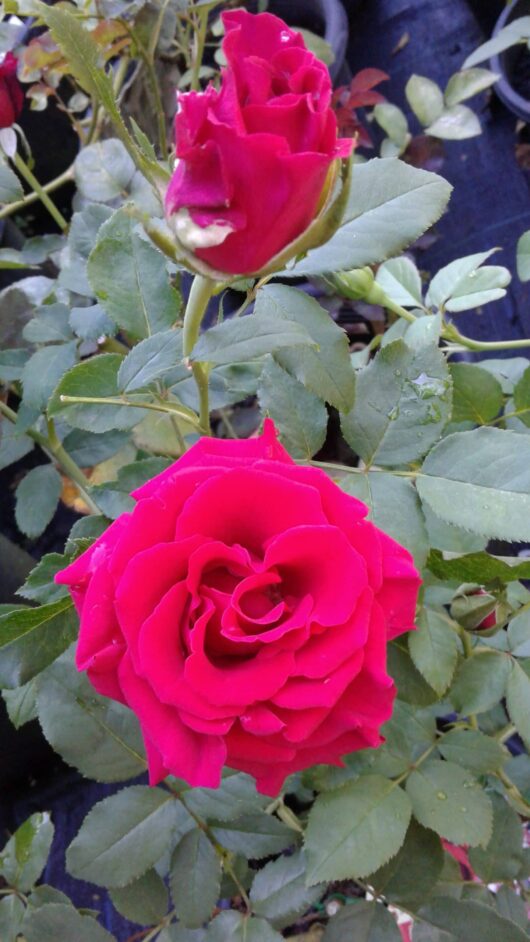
column 243, row 611
column 253, row 156
column 11, row 93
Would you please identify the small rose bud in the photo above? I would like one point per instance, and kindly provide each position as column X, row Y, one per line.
column 474, row 608
column 11, row 93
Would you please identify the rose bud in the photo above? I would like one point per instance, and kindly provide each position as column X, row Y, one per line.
column 254, row 157
column 242, row 610
column 474, row 608
column 11, row 93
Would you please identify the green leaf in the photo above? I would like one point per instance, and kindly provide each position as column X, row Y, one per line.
column 129, row 277
column 13, row 445
column 400, row 280
column 480, row 682
column 114, row 497
column 408, row 879
column 518, row 701
column 11, row 916
column 394, row 123
column 31, row 638
column 232, row 926
column 91, row 323
column 425, row 98
column 523, row 256
column 434, row 649
column 279, row 892
column 511, row 906
column 55, row 921
column 450, row 278
column 502, row 858
column 355, row 829
column 50, row 325
column 12, row 363
column 364, row 922
column 24, row 856
column 326, row 371
column 37, row 497
column 43, row 371
column 104, row 170
column 480, row 480
column 254, row 835
column 474, row 750
column 516, row 31
column 403, row 400
column 519, row 634
column 455, row 124
column 123, row 836
column 477, row 395
column 10, row 185
column 466, row 83
column 521, row 396
column 394, row 507
column 144, row 901
column 300, row 416
column 98, row 736
column 96, row 377
column 469, row 921
column 478, row 567
column 235, row 797
column 21, row 704
column 318, row 46
column 390, row 205
column 244, row 338
column 150, row 359
column 88, row 449
column 195, row 878
column 82, row 236
column 411, row 686
column 448, row 800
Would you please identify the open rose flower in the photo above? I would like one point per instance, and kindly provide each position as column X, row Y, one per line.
column 11, row 93
column 242, row 610
column 253, row 157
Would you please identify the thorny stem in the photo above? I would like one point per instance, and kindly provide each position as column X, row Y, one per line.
column 40, row 192
column 468, row 652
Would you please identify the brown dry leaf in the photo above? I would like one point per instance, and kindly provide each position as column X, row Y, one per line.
column 71, row 497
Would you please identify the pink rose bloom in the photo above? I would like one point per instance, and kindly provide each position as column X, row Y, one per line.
column 253, row 157
column 11, row 94
column 242, row 611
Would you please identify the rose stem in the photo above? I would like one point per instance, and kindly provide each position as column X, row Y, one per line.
column 25, row 172
column 201, row 291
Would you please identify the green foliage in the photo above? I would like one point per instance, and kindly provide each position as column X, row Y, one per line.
column 403, row 400
column 195, row 878
column 36, row 499
column 129, row 278
column 300, row 416
column 31, row 638
column 346, row 827
column 451, row 802
column 480, row 480
column 124, row 836
column 389, row 207
column 24, row 856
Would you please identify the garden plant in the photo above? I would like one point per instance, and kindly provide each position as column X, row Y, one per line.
column 310, row 676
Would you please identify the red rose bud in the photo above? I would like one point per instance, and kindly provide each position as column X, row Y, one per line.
column 474, row 608
column 243, row 611
column 11, row 93
column 490, row 620
column 253, row 157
